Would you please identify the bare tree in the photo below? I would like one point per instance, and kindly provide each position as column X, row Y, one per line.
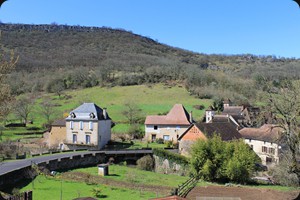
column 47, row 111
column 132, row 113
column 23, row 108
column 284, row 104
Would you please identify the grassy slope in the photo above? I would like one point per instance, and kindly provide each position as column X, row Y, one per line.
column 152, row 100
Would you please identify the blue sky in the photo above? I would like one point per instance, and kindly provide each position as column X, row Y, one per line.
column 260, row 27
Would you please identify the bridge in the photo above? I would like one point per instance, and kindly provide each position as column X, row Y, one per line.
column 14, row 171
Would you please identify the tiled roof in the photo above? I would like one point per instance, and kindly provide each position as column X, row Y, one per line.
column 227, row 131
column 267, row 133
column 176, row 116
column 88, row 111
column 59, row 122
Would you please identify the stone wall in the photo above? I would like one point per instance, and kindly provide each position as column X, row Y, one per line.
column 165, row 166
column 9, row 180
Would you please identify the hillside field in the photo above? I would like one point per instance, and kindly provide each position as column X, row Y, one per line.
column 151, row 99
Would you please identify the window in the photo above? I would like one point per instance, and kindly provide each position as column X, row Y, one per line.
column 71, row 125
column 271, row 151
column 166, row 137
column 74, row 138
column 91, row 126
column 87, row 139
column 155, row 127
column 268, row 159
column 153, row 137
column 264, row 149
column 81, row 125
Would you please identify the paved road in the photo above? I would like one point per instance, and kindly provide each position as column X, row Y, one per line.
column 10, row 166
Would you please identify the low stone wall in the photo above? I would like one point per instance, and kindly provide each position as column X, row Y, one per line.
column 165, row 166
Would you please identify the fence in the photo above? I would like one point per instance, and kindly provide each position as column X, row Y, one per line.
column 186, row 187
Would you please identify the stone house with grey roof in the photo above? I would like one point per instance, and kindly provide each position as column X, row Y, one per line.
column 88, row 127
column 265, row 142
column 168, row 127
column 242, row 116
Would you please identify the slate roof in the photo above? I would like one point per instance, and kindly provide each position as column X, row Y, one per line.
column 267, row 133
column 176, row 116
column 227, row 131
column 88, row 111
column 59, row 122
column 233, row 110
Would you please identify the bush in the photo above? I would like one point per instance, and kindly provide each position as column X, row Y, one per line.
column 169, row 144
column 216, row 160
column 146, row 163
column 159, row 141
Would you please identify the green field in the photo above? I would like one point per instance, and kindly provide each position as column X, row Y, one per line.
column 132, row 174
column 51, row 188
column 155, row 99
column 129, row 177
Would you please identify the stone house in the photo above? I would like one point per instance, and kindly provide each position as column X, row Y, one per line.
column 168, row 127
column 57, row 134
column 264, row 141
column 242, row 116
column 226, row 130
column 88, row 127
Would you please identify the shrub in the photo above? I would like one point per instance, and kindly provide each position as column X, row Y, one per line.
column 159, row 141
column 146, row 163
column 169, row 144
column 217, row 160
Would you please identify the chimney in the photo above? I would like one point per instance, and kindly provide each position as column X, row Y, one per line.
column 104, row 113
column 191, row 117
column 209, row 114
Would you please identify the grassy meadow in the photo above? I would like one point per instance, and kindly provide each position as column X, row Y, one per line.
column 120, row 184
column 132, row 174
column 48, row 188
column 152, row 100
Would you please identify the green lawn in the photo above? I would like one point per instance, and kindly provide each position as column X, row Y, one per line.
column 50, row 188
column 132, row 174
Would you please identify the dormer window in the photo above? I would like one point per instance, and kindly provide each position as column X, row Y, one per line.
column 92, row 115
column 72, row 115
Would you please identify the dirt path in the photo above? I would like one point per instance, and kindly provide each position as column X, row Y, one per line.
column 242, row 192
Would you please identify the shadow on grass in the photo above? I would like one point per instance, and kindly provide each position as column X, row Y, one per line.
column 113, row 175
column 102, row 196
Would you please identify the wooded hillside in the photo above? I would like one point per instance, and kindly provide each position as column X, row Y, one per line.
column 58, row 57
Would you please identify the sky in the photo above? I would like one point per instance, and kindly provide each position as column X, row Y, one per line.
column 259, row 27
